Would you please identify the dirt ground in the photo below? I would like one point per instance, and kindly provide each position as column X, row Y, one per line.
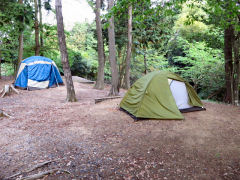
column 97, row 141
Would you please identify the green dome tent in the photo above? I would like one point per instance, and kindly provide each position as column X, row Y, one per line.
column 160, row 95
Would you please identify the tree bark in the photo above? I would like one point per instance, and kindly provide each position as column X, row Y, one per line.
column 101, row 62
column 20, row 51
column 0, row 63
column 71, row 97
column 40, row 27
column 114, row 91
column 20, row 44
column 228, row 47
column 36, row 25
column 145, row 62
column 121, row 67
column 236, row 71
column 129, row 50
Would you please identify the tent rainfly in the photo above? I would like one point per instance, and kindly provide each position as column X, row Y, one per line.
column 160, row 95
column 37, row 72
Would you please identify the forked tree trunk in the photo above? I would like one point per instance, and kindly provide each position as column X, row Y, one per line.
column 40, row 27
column 100, row 74
column 36, row 25
column 71, row 97
column 228, row 47
column 129, row 50
column 114, row 91
column 236, row 72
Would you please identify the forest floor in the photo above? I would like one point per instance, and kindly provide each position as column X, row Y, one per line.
column 98, row 141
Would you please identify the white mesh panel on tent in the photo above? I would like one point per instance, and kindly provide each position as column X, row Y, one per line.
column 180, row 94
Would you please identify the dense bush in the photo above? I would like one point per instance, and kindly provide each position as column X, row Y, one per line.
column 204, row 68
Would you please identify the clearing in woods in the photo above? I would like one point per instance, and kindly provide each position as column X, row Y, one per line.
column 97, row 141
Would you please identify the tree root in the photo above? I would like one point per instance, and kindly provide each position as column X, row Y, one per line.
column 7, row 90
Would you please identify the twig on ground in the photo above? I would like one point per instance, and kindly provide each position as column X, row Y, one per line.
column 32, row 169
column 42, row 174
column 3, row 114
column 39, row 165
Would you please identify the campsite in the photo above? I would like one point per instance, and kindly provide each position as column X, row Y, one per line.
column 98, row 141
column 119, row 89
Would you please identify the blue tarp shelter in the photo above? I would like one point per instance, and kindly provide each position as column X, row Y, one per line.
column 38, row 72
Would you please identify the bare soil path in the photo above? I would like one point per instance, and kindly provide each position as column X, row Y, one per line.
column 97, row 141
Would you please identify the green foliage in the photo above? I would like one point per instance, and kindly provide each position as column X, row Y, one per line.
column 156, row 61
column 204, row 67
column 176, row 48
column 6, row 69
column 81, row 37
column 151, row 26
column 82, row 50
column 13, row 18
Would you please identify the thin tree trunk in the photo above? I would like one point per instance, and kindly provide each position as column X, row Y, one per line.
column 228, row 47
column 0, row 63
column 129, row 50
column 20, row 51
column 145, row 62
column 101, row 62
column 40, row 27
column 114, row 91
column 71, row 97
column 36, row 25
column 20, row 44
column 236, row 72
column 121, row 67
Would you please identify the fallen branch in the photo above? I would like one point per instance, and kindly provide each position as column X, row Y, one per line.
column 8, row 89
column 32, row 169
column 42, row 174
column 39, row 165
column 3, row 114
column 98, row 100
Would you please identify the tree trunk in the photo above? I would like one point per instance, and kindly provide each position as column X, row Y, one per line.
column 20, row 51
column 145, row 62
column 112, row 54
column 64, row 55
column 100, row 75
column 228, row 47
column 40, row 27
column 20, row 45
column 36, row 25
column 129, row 50
column 0, row 63
column 236, row 72
column 121, row 67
